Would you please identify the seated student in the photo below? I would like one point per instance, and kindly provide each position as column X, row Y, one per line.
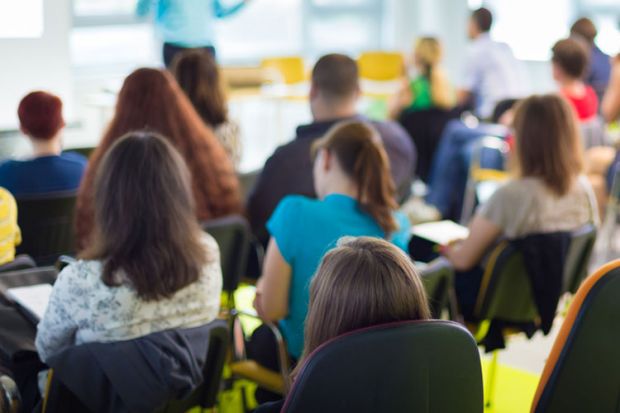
column 197, row 73
column 430, row 88
column 334, row 93
column 142, row 273
column 356, row 197
column 549, row 193
column 49, row 170
column 599, row 68
column 349, row 293
column 450, row 166
column 569, row 63
column 151, row 99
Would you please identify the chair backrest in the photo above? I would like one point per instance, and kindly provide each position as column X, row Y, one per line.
column 290, row 69
column 27, row 277
column 381, row 66
column 423, row 366
column 205, row 396
column 582, row 373
column 578, row 258
column 438, row 277
column 506, row 292
column 46, row 222
column 233, row 236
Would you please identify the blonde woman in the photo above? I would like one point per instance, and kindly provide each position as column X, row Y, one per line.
column 430, row 88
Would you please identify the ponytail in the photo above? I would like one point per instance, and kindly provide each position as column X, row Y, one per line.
column 362, row 156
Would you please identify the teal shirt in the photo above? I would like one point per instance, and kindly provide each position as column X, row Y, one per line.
column 304, row 230
column 186, row 23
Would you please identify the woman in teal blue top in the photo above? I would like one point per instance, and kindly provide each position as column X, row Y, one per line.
column 356, row 198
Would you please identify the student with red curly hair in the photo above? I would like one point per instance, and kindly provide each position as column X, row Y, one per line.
column 49, row 169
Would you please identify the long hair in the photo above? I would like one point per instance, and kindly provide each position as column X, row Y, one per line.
column 548, row 142
column 197, row 73
column 362, row 282
column 151, row 99
column 360, row 153
column 145, row 224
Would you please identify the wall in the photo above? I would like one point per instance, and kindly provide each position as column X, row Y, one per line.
column 42, row 63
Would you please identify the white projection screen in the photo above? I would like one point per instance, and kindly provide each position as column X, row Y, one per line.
column 34, row 50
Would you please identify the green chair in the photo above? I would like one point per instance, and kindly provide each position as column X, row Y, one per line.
column 46, row 222
column 438, row 279
column 582, row 373
column 578, row 259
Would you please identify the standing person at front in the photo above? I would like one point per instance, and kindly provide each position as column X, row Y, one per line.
column 186, row 24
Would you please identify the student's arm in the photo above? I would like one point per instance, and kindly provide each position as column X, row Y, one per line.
column 272, row 288
column 222, row 11
column 610, row 106
column 465, row 254
column 57, row 329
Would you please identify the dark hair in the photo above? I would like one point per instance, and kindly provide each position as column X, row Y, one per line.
column 360, row 152
column 571, row 56
column 548, row 142
column 585, row 28
column 361, row 283
column 145, row 224
column 502, row 107
column 151, row 99
column 40, row 115
column 483, row 19
column 197, row 73
column 336, row 76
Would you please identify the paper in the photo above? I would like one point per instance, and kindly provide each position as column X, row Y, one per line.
column 33, row 298
column 441, row 232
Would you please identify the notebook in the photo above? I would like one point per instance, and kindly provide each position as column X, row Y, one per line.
column 441, row 232
column 32, row 300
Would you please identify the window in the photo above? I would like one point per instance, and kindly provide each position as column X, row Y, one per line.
column 21, row 19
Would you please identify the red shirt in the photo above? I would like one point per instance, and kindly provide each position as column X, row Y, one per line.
column 585, row 105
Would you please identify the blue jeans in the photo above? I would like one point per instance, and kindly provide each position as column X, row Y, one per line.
column 450, row 167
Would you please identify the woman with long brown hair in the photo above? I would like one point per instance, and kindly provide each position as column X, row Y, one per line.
column 198, row 74
column 151, row 99
column 356, row 198
column 149, row 266
column 548, row 194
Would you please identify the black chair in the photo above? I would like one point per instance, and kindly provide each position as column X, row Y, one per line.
column 413, row 366
column 46, row 222
column 425, row 128
column 233, row 236
column 59, row 398
column 27, row 277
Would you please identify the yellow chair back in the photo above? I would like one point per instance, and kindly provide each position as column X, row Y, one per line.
column 381, row 66
column 291, row 69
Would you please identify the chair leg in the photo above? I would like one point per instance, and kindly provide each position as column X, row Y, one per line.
column 490, row 392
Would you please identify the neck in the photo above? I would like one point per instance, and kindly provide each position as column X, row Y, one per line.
column 343, row 187
column 324, row 111
column 42, row 147
column 572, row 85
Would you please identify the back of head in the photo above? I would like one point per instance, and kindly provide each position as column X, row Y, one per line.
column 197, row 73
column 336, row 77
column 40, row 115
column 361, row 283
column 483, row 19
column 361, row 155
column 428, row 51
column 585, row 29
column 145, row 224
column 548, row 142
column 571, row 56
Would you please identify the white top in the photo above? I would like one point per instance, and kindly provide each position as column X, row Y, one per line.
column 526, row 206
column 492, row 74
column 83, row 309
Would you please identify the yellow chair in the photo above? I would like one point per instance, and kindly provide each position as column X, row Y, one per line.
column 290, row 69
column 381, row 66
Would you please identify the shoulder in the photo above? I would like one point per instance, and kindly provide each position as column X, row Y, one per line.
column 518, row 189
column 390, row 130
column 296, row 203
column 6, row 196
column 73, row 157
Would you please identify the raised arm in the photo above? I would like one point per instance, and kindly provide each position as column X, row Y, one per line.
column 466, row 254
column 222, row 11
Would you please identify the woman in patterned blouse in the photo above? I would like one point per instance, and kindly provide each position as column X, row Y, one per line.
column 149, row 268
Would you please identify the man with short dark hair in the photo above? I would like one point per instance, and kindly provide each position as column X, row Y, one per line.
column 492, row 73
column 334, row 93
column 599, row 70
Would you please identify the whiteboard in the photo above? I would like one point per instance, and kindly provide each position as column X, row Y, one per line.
column 35, row 55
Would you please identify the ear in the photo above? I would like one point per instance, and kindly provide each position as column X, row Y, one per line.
column 358, row 91
column 327, row 160
column 313, row 91
column 24, row 130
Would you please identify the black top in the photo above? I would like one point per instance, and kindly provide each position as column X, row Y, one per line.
column 289, row 170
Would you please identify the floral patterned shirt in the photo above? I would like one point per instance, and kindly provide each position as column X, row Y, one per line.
column 83, row 309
